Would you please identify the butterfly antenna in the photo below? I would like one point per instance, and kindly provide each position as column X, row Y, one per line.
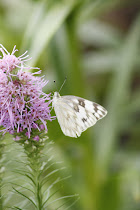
column 62, row 84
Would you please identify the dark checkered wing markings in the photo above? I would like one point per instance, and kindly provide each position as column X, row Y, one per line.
column 98, row 111
column 89, row 107
column 85, row 113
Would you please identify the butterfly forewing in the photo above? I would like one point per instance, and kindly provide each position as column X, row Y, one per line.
column 85, row 107
column 76, row 114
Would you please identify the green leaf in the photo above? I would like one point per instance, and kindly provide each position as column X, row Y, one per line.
column 69, row 205
column 22, row 187
column 58, row 180
column 63, row 197
column 99, row 34
column 47, row 28
column 44, row 180
column 51, row 196
column 15, row 207
column 25, row 197
column 34, row 21
column 100, row 62
column 45, row 168
column 117, row 96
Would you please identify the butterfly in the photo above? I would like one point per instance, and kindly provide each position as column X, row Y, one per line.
column 76, row 114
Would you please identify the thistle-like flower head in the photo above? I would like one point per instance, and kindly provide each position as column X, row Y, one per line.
column 24, row 108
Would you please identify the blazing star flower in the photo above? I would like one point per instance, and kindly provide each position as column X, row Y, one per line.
column 24, row 108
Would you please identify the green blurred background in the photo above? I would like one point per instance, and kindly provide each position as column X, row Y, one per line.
column 96, row 44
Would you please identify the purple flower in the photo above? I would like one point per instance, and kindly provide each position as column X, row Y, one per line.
column 24, row 108
column 9, row 61
column 17, row 138
column 36, row 138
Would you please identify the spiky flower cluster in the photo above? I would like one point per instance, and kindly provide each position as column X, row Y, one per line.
column 24, row 108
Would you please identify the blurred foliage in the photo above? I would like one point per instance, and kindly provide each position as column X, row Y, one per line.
column 96, row 44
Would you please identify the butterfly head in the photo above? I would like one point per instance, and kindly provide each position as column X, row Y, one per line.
column 56, row 95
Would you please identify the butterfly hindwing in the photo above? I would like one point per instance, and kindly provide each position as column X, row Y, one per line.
column 67, row 119
column 76, row 114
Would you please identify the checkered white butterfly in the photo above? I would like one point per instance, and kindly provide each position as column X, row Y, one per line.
column 76, row 114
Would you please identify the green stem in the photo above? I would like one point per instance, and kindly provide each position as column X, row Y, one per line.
column 33, row 151
column 38, row 194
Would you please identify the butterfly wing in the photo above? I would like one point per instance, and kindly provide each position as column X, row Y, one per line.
column 76, row 114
